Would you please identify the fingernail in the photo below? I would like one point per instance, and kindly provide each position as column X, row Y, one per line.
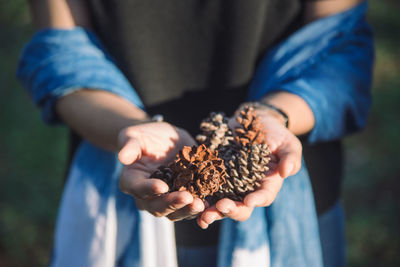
column 251, row 204
column 164, row 190
column 290, row 169
column 196, row 210
column 225, row 211
column 205, row 227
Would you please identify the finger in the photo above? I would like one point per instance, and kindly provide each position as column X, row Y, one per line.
column 130, row 152
column 168, row 203
column 140, row 203
column 137, row 184
column 289, row 159
column 208, row 217
column 266, row 194
column 185, row 138
column 235, row 210
column 188, row 212
column 225, row 205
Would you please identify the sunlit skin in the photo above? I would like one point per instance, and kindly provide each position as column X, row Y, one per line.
column 112, row 123
column 144, row 148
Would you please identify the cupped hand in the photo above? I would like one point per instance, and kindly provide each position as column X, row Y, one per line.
column 143, row 149
column 285, row 161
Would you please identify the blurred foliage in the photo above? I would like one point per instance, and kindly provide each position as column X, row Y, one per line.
column 372, row 186
column 33, row 156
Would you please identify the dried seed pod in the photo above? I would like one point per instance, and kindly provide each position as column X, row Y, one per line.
column 251, row 130
column 215, row 131
column 246, row 169
column 246, row 159
column 196, row 169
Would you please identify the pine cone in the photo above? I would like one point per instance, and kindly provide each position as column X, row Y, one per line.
column 246, row 159
column 252, row 129
column 196, row 169
column 246, row 170
column 215, row 131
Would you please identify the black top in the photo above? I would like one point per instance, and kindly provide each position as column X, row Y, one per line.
column 187, row 58
column 166, row 48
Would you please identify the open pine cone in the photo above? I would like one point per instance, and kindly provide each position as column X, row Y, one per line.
column 251, row 130
column 246, row 169
column 245, row 156
column 196, row 169
column 246, row 160
column 215, row 131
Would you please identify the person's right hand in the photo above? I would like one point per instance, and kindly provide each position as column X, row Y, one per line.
column 285, row 161
column 145, row 147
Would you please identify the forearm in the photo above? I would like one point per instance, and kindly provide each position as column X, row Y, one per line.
column 328, row 64
column 300, row 115
column 62, row 14
column 99, row 116
column 314, row 10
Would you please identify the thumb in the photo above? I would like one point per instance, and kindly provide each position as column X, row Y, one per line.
column 286, row 168
column 130, row 152
column 289, row 160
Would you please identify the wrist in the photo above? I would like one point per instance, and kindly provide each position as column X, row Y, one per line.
column 269, row 111
column 135, row 129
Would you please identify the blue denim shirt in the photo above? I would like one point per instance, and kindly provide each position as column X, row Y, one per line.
column 328, row 63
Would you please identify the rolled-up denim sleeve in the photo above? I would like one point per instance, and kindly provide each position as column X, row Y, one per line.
column 328, row 63
column 58, row 62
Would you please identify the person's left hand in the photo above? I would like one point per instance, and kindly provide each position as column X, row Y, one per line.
column 285, row 161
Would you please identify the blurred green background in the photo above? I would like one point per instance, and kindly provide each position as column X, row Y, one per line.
column 33, row 157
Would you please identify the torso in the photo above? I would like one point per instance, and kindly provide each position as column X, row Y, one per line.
column 188, row 58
